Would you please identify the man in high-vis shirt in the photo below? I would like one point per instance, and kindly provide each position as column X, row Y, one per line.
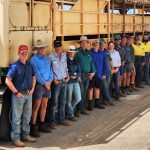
column 139, row 60
column 146, row 47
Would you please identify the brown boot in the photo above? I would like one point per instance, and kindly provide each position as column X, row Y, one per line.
column 18, row 143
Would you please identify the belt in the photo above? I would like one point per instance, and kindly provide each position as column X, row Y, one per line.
column 25, row 92
column 84, row 75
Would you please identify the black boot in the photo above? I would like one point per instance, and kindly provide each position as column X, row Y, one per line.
column 97, row 104
column 44, row 128
column 127, row 90
column 90, row 105
column 34, row 131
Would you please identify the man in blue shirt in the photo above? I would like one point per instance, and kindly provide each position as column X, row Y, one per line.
column 100, row 64
column 21, row 81
column 44, row 77
column 58, row 63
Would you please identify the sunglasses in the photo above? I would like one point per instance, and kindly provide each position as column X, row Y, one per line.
column 95, row 44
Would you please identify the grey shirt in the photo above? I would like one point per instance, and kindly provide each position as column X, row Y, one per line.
column 58, row 65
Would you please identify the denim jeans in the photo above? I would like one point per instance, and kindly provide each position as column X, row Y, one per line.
column 115, row 80
column 21, row 116
column 105, row 90
column 58, row 99
column 84, row 87
column 73, row 98
column 146, row 72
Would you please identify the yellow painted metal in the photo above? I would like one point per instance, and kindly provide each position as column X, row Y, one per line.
column 24, row 21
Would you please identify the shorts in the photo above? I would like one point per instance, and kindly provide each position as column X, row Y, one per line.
column 95, row 82
column 41, row 92
column 122, row 70
column 129, row 68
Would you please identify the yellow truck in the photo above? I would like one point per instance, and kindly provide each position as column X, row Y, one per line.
column 25, row 21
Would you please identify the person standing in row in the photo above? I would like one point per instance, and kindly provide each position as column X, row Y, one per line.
column 73, row 87
column 44, row 77
column 116, row 74
column 139, row 61
column 21, row 81
column 146, row 46
column 58, row 63
column 87, row 72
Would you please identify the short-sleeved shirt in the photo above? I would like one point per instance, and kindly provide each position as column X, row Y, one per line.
column 138, row 50
column 121, row 50
column 58, row 65
column 129, row 54
column 21, row 75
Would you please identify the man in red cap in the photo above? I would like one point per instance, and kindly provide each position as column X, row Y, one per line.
column 21, row 81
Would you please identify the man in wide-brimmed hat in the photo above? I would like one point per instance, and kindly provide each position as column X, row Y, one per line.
column 88, row 70
column 44, row 77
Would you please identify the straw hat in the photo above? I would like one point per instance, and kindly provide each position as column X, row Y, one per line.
column 40, row 44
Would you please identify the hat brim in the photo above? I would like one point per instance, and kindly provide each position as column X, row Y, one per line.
column 41, row 46
column 68, row 51
column 82, row 41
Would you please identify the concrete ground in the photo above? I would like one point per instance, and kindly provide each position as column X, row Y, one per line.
column 125, row 126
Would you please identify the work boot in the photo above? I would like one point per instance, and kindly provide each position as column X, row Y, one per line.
column 34, row 131
column 83, row 112
column 90, row 105
column 44, row 128
column 130, row 89
column 122, row 92
column 18, row 143
column 127, row 91
column 97, row 104
column 77, row 113
column 134, row 88
column 110, row 103
column 29, row 139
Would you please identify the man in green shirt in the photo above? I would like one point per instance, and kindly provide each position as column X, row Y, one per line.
column 87, row 72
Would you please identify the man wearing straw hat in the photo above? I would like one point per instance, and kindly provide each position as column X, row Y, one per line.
column 44, row 77
column 87, row 72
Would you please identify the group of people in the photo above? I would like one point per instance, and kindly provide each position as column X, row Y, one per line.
column 64, row 85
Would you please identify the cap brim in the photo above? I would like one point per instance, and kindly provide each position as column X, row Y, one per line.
column 41, row 46
column 68, row 51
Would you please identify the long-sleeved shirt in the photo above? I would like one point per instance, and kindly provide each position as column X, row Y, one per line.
column 100, row 63
column 85, row 60
column 115, row 58
column 73, row 70
column 58, row 65
column 43, row 72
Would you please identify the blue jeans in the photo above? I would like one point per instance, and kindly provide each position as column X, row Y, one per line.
column 21, row 115
column 73, row 98
column 115, row 80
column 146, row 72
column 58, row 99
column 105, row 89
column 84, row 87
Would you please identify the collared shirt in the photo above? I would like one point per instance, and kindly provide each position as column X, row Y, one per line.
column 73, row 70
column 108, row 59
column 121, row 50
column 21, row 75
column 138, row 50
column 43, row 72
column 129, row 54
column 85, row 60
column 146, row 47
column 100, row 63
column 58, row 65
column 115, row 58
